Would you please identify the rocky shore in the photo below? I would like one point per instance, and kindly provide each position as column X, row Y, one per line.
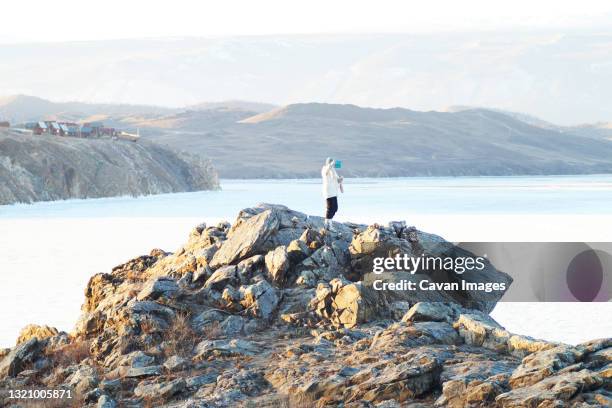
column 274, row 311
column 46, row 168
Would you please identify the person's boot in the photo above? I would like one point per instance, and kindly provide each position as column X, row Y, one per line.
column 330, row 226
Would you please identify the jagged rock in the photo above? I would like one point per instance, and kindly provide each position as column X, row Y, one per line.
column 260, row 299
column 139, row 372
column 400, row 382
column 222, row 277
column 553, row 390
column 298, row 250
column 249, row 267
column 162, row 286
column 206, row 318
column 307, row 279
column 201, row 274
column 110, row 386
column 542, row 364
column 481, row 330
column 473, row 394
column 278, row 264
column 163, row 390
column 176, row 363
column 34, row 330
column 199, row 380
column 232, row 325
column 205, row 255
column 247, row 238
column 249, row 382
column 14, row 362
column 413, row 335
column 379, row 242
column 137, row 359
column 232, row 298
column 356, row 303
column 234, row 347
column 301, row 327
column 83, row 379
column 398, row 309
column 430, row 311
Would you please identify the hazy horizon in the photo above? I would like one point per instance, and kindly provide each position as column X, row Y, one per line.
column 549, row 59
column 561, row 78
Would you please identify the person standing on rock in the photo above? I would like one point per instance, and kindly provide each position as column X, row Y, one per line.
column 332, row 186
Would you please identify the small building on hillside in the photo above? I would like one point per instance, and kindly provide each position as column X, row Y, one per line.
column 86, row 131
column 106, row 131
column 95, row 128
column 53, row 128
column 69, row 129
column 38, row 128
column 4, row 124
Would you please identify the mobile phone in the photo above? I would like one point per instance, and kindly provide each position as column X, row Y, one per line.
column 338, row 164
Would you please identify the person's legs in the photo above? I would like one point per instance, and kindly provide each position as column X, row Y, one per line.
column 334, row 207
column 331, row 209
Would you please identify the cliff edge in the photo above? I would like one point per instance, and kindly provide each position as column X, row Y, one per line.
column 274, row 311
column 44, row 168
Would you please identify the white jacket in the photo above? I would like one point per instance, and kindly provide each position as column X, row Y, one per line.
column 331, row 186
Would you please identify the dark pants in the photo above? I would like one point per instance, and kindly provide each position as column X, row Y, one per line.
column 332, row 207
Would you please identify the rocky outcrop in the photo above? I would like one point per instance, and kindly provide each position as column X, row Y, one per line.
column 44, row 168
column 275, row 311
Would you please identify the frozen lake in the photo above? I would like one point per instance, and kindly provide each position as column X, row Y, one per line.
column 49, row 250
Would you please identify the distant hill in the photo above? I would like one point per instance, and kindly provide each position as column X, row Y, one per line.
column 293, row 141
column 258, row 107
column 601, row 130
column 42, row 168
column 21, row 108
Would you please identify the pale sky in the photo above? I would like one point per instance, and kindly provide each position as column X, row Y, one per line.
column 76, row 20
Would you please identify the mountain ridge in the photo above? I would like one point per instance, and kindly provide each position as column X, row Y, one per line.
column 292, row 141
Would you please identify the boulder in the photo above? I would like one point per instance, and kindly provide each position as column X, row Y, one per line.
column 298, row 250
column 34, row 330
column 137, row 359
column 260, row 299
column 234, row 347
column 380, row 242
column 222, row 277
column 140, row 372
column 356, row 303
column 176, row 363
column 232, row 325
column 160, row 287
column 163, row 390
column 83, row 379
column 247, row 238
column 207, row 318
column 249, row 267
column 278, row 265
column 478, row 329
column 14, row 362
column 430, row 312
